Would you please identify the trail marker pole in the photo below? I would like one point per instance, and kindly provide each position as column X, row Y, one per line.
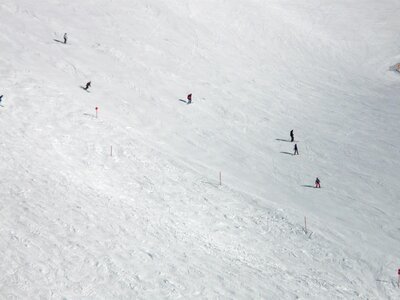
column 220, row 178
column 96, row 111
column 305, row 225
column 111, row 150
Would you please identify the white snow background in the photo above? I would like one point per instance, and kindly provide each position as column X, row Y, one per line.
column 151, row 221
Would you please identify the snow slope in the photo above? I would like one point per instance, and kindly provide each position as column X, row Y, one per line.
column 151, row 221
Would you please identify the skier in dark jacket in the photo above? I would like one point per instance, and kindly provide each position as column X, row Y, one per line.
column 65, row 38
column 291, row 136
column 87, row 85
column 189, row 98
column 296, row 151
column 317, row 183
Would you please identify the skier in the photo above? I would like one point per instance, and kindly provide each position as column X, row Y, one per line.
column 296, row 151
column 65, row 38
column 291, row 136
column 87, row 85
column 317, row 183
column 189, row 98
column 1, row 98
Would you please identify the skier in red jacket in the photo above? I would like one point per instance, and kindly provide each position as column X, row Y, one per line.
column 189, row 98
column 317, row 183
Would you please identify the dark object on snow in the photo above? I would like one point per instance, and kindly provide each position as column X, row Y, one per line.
column 189, row 98
column 291, row 136
column 65, row 38
column 1, row 98
column 87, row 85
column 296, row 151
column 317, row 183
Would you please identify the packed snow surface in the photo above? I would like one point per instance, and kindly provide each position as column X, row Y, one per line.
column 150, row 220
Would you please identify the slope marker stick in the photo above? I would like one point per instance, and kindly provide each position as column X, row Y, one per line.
column 111, row 150
column 220, row 178
column 305, row 224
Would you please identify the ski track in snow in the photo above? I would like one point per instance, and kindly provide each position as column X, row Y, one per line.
column 151, row 221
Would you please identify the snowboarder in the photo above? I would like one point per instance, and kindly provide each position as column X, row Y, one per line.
column 65, row 38
column 87, row 85
column 317, row 183
column 291, row 136
column 296, row 151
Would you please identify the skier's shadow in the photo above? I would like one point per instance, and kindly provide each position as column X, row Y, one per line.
column 288, row 153
column 58, row 41
column 84, row 88
column 282, row 140
column 308, row 186
column 183, row 101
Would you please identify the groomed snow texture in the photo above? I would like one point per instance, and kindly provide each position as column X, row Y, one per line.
column 152, row 221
